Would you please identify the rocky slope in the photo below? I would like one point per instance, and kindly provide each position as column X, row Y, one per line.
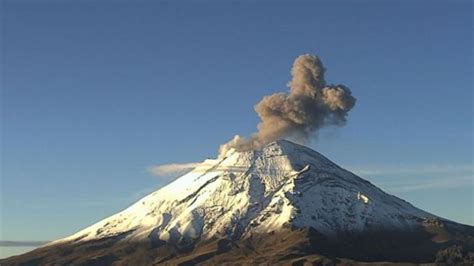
column 284, row 203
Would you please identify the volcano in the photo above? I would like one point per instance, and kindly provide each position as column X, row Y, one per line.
column 281, row 204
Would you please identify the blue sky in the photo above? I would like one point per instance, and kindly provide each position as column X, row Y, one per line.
column 95, row 92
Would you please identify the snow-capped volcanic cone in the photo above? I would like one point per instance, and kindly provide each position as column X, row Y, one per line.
column 284, row 202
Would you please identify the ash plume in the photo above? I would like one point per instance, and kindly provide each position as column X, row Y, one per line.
column 298, row 114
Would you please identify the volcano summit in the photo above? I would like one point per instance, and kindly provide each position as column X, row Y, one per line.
column 284, row 203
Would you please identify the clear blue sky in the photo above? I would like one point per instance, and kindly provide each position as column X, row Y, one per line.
column 94, row 92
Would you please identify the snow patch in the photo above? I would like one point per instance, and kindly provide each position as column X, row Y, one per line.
column 362, row 198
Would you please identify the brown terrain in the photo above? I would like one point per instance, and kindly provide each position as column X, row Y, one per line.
column 438, row 242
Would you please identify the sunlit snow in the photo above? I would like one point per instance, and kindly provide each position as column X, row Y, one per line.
column 258, row 191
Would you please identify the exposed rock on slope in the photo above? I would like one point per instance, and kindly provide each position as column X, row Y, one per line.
column 282, row 203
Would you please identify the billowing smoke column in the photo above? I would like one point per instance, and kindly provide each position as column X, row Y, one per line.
column 310, row 105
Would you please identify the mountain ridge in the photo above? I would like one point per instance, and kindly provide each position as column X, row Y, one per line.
column 281, row 191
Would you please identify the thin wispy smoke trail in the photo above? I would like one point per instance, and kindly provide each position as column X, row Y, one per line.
column 171, row 169
column 310, row 105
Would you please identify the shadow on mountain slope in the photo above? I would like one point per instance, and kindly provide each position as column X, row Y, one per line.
column 437, row 241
